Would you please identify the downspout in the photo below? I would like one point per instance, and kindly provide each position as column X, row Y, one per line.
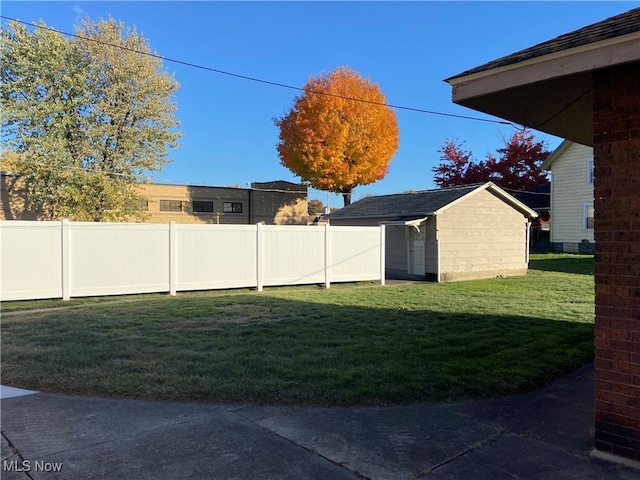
column 435, row 220
column 249, row 192
column 528, row 234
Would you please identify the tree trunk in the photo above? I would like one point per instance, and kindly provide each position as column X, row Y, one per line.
column 346, row 196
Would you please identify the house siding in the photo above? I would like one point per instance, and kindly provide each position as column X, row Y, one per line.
column 481, row 236
column 570, row 192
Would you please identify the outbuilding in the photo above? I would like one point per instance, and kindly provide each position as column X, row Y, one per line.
column 449, row 234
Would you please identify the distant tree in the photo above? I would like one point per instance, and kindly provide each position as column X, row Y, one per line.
column 316, row 207
column 334, row 142
column 515, row 167
column 9, row 161
column 89, row 116
column 293, row 213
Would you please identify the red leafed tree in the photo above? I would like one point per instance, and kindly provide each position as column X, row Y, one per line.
column 516, row 166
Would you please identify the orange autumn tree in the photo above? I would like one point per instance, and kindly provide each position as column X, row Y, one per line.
column 339, row 133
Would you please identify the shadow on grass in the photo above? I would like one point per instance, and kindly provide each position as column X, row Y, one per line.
column 266, row 350
column 580, row 264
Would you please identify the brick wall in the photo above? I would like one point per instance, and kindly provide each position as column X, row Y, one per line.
column 616, row 123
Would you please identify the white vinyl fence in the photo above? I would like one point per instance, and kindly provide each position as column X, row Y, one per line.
column 76, row 259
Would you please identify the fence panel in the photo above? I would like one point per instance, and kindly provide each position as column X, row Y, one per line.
column 74, row 259
column 216, row 256
column 355, row 254
column 31, row 260
column 292, row 255
column 118, row 258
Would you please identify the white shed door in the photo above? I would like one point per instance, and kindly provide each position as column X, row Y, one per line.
column 415, row 247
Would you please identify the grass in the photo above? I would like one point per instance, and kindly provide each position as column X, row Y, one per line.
column 352, row 344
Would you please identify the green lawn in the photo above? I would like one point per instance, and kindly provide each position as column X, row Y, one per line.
column 352, row 344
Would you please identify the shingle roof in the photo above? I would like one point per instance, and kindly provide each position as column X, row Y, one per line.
column 404, row 204
column 623, row 24
column 537, row 198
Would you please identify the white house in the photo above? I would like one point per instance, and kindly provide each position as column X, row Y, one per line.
column 572, row 212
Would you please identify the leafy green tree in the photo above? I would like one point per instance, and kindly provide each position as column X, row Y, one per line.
column 90, row 117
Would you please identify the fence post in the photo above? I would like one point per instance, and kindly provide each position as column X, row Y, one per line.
column 66, row 259
column 173, row 258
column 259, row 254
column 383, row 252
column 327, row 255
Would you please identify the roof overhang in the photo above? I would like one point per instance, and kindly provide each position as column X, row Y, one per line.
column 551, row 93
column 410, row 221
column 546, row 165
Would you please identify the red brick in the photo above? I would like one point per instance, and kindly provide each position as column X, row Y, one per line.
column 613, row 333
column 602, row 415
column 626, row 346
column 614, row 377
column 616, row 121
column 631, row 391
column 603, row 363
column 625, row 366
column 618, row 323
column 627, row 415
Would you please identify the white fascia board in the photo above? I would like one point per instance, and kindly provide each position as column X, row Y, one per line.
column 546, row 165
column 606, row 53
column 408, row 223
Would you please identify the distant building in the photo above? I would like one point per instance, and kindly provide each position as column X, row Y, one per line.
column 572, row 212
column 277, row 202
column 457, row 233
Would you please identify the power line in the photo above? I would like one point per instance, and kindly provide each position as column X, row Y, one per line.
column 259, row 80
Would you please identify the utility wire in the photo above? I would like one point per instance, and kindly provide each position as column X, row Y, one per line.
column 254, row 79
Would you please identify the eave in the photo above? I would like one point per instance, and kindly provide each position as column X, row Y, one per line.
column 550, row 93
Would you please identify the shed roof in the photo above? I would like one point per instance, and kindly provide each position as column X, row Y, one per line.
column 414, row 205
column 537, row 197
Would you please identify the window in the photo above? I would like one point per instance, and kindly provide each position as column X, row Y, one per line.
column 590, row 172
column 143, row 205
column 170, row 206
column 588, row 216
column 232, row 207
column 202, row 207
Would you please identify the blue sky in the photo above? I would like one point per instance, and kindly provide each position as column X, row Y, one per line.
column 408, row 48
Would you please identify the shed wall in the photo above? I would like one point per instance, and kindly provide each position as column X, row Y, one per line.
column 481, row 237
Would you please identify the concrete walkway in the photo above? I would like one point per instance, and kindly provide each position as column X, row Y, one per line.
column 543, row 435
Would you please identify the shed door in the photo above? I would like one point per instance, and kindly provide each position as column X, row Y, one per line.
column 415, row 247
